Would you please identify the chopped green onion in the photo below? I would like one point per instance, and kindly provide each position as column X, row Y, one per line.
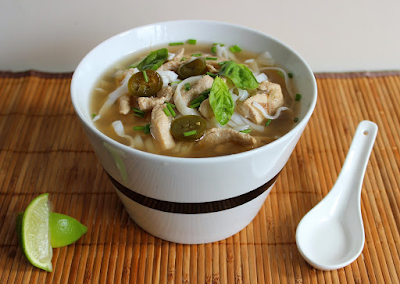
column 298, row 97
column 147, row 129
column 190, row 133
column 187, row 87
column 196, row 54
column 211, row 58
column 176, row 43
column 211, row 74
column 296, row 119
column 167, row 113
column 183, row 59
column 268, row 122
column 170, row 109
column 196, row 105
column 235, row 48
column 221, row 44
column 191, row 41
column 176, row 82
column 213, row 49
column 93, row 115
column 281, row 74
column 223, row 62
column 290, row 75
column 248, row 130
column 146, row 79
column 138, row 112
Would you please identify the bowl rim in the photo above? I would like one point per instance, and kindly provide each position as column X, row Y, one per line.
column 224, row 158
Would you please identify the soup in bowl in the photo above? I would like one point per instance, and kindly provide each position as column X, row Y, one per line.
column 193, row 121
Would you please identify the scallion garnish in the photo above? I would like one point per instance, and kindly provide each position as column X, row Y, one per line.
column 235, row 48
column 191, row 41
column 290, row 75
column 298, row 97
column 248, row 130
column 196, row 54
column 214, row 49
column 93, row 115
column 296, row 119
column 170, row 109
column 187, row 87
column 166, row 111
column 190, row 133
column 281, row 74
column 220, row 44
column 211, row 74
column 197, row 101
column 176, row 82
column 176, row 43
column 146, row 79
column 211, row 58
column 147, row 129
column 183, row 59
column 268, row 122
column 138, row 112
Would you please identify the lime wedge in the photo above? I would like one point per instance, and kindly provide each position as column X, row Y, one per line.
column 64, row 230
column 35, row 233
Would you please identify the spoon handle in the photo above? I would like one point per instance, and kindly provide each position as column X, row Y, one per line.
column 358, row 155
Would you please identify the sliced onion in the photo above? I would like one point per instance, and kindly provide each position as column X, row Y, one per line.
column 180, row 104
column 168, row 77
column 112, row 97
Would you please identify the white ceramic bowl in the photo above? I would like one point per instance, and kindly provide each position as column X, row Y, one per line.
column 191, row 200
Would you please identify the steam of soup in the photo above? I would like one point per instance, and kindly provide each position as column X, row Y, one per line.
column 195, row 100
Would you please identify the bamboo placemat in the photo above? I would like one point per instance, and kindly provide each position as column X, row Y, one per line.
column 43, row 149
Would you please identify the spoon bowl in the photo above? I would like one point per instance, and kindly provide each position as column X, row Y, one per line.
column 331, row 235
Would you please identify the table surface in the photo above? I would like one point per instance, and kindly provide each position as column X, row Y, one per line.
column 43, row 149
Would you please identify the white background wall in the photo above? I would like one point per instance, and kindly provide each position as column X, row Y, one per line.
column 54, row 35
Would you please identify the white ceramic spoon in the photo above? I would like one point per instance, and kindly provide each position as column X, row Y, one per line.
column 331, row 235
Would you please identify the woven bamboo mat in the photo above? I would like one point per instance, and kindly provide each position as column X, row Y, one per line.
column 43, row 149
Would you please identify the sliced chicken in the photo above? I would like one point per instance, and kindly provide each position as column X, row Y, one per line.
column 206, row 109
column 202, row 85
column 216, row 136
column 124, row 104
column 160, row 128
column 148, row 103
column 269, row 96
column 174, row 63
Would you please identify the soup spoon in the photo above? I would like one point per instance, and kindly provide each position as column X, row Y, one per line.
column 331, row 235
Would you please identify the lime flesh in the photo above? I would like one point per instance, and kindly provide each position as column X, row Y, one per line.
column 64, row 230
column 35, row 233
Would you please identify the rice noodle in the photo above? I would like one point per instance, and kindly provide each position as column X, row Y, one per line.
column 286, row 76
column 253, row 66
column 221, row 51
column 261, row 77
column 112, row 97
column 180, row 104
column 265, row 114
column 243, row 94
column 242, row 121
column 119, row 129
column 266, row 58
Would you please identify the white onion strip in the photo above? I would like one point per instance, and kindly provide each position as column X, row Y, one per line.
column 264, row 112
column 180, row 104
column 112, row 97
column 119, row 129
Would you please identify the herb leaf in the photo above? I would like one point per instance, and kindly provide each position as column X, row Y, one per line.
column 221, row 101
column 154, row 59
column 240, row 75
